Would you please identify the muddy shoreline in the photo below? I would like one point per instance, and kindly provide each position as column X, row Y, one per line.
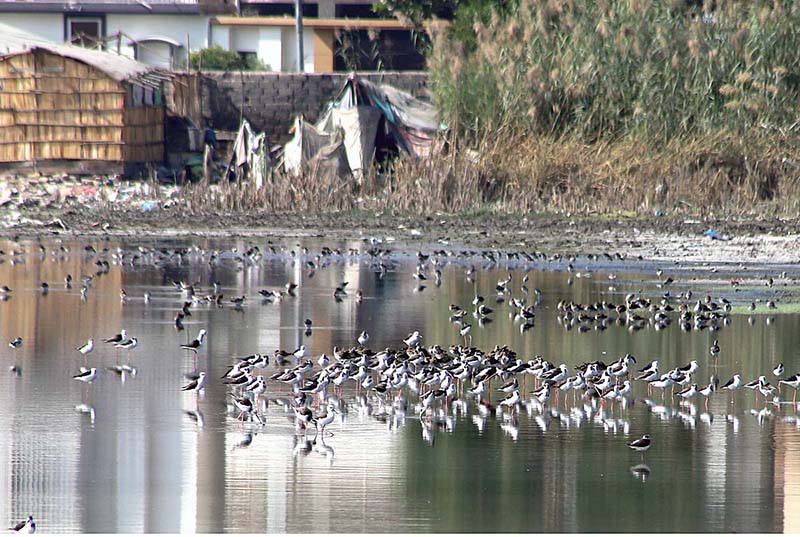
column 767, row 241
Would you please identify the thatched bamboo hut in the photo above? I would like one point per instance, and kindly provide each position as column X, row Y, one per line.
column 64, row 108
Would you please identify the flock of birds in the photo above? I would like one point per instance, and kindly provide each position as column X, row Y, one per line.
column 443, row 381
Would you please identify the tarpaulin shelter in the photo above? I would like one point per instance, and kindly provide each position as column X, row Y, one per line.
column 370, row 121
column 250, row 158
column 321, row 151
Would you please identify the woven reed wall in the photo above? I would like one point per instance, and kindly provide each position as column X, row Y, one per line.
column 53, row 107
column 184, row 97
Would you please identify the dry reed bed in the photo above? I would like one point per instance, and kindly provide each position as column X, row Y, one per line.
column 722, row 175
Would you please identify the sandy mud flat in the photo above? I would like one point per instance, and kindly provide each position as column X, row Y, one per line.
column 768, row 242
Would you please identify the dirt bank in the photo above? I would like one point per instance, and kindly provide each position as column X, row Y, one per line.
column 653, row 238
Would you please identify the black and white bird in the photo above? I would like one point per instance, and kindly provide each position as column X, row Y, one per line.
column 641, row 444
column 128, row 344
column 25, row 526
column 707, row 391
column 195, row 343
column 15, row 343
column 86, row 375
column 649, row 368
column 325, row 419
column 512, row 400
column 689, row 368
column 688, row 393
column 509, row 387
column 86, row 348
column 197, row 384
column 303, row 416
column 754, row 384
column 413, row 339
column 363, row 337
column 766, row 389
column 465, row 330
column 734, row 384
column 778, row 370
column 477, row 389
column 793, row 381
column 244, row 405
column 119, row 338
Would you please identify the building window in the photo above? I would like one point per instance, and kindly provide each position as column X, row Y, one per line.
column 85, row 31
column 248, row 56
column 254, row 9
column 355, row 11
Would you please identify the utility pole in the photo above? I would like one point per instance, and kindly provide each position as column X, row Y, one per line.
column 298, row 18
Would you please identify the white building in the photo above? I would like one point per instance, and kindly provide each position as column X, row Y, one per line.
column 273, row 39
column 163, row 32
column 156, row 32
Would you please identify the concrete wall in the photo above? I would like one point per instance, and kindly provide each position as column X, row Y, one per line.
column 270, row 101
column 46, row 25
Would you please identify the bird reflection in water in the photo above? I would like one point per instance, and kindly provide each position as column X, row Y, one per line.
column 87, row 410
column 244, row 441
column 197, row 417
column 641, row 471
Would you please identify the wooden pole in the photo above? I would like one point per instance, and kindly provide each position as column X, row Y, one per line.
column 206, row 159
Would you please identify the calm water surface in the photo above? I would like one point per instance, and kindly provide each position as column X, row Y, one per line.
column 143, row 456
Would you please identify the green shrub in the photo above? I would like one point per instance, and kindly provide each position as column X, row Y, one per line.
column 218, row 59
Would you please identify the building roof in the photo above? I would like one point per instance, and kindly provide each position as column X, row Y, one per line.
column 121, row 68
column 344, row 24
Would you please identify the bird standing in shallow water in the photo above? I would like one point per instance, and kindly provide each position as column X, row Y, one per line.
column 322, row 421
column 119, row 338
column 128, row 345
column 86, row 348
column 794, row 382
column 197, row 384
column 714, row 350
column 86, row 375
column 195, row 343
column 363, row 337
column 25, row 526
column 244, row 405
column 641, row 444
column 413, row 339
column 733, row 384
